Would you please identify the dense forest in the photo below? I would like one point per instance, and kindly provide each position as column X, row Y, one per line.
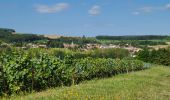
column 135, row 43
column 142, row 37
column 81, row 41
column 7, row 35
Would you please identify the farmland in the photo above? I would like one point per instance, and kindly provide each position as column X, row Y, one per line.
column 150, row 84
column 22, row 71
column 82, row 67
column 85, row 50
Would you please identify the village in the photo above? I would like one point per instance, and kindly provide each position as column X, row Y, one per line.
column 87, row 47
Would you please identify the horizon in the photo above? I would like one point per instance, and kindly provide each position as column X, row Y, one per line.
column 89, row 18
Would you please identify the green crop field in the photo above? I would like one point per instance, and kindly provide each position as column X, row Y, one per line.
column 150, row 84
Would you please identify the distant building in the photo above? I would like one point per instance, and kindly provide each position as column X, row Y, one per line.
column 132, row 50
column 72, row 45
column 109, row 46
column 52, row 36
column 92, row 46
column 30, row 45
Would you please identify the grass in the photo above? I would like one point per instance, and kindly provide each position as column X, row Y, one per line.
column 150, row 84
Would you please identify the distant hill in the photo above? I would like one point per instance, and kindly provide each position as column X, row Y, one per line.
column 10, row 35
column 7, row 35
column 7, row 30
column 52, row 36
column 140, row 37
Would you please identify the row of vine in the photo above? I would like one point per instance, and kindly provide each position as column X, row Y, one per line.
column 21, row 72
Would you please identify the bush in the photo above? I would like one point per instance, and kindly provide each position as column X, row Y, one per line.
column 161, row 56
column 20, row 71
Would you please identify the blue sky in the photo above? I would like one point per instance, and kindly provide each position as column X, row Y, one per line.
column 87, row 17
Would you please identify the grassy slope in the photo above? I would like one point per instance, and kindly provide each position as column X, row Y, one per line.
column 151, row 84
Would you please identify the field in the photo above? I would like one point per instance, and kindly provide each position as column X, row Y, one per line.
column 150, row 84
column 37, row 67
column 157, row 47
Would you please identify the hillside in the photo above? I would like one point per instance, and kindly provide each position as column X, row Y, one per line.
column 52, row 36
column 137, row 37
column 151, row 84
column 7, row 35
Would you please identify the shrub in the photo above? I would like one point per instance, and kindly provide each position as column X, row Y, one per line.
column 20, row 71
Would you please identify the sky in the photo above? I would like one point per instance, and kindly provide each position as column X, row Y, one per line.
column 87, row 17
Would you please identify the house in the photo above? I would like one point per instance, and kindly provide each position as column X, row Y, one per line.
column 92, row 46
column 109, row 46
column 72, row 45
column 30, row 45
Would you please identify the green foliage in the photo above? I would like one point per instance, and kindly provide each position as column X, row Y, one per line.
column 143, row 37
column 150, row 84
column 135, row 43
column 109, row 53
column 24, row 37
column 54, row 44
column 161, row 56
column 89, row 68
column 76, row 40
column 26, row 71
column 7, row 36
column 76, row 54
column 7, row 30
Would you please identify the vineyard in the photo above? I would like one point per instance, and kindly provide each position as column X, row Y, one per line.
column 85, row 50
column 23, row 72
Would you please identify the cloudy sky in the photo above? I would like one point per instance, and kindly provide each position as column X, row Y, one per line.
column 86, row 17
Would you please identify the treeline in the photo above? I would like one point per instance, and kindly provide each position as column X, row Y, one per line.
column 81, row 41
column 114, row 53
column 138, row 42
column 76, row 40
column 7, row 30
column 7, row 36
column 161, row 56
column 142, row 37
column 26, row 72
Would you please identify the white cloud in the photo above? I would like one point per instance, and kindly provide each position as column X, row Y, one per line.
column 167, row 6
column 95, row 10
column 52, row 9
column 146, row 9
column 135, row 13
column 149, row 9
